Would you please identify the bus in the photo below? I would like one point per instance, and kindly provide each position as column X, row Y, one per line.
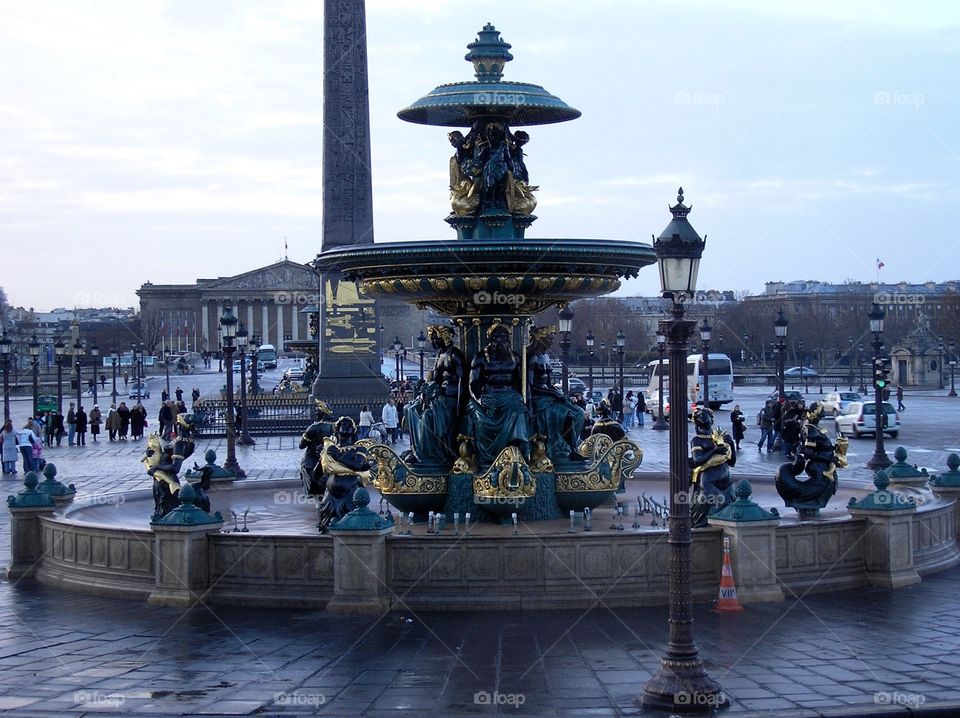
column 268, row 355
column 720, row 370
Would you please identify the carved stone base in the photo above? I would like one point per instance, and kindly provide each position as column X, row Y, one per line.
column 543, row 505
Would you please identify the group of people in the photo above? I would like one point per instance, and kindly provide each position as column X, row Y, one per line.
column 780, row 425
column 629, row 410
column 391, row 416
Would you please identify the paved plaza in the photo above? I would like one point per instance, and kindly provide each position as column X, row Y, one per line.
column 863, row 652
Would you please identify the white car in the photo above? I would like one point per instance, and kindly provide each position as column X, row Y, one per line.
column 293, row 374
column 836, row 402
column 858, row 419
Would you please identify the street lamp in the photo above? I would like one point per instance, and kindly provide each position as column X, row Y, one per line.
column 682, row 681
column 5, row 346
column 421, row 343
column 705, row 330
column 780, row 330
column 802, row 354
column 114, row 360
column 228, row 323
column 35, row 364
column 590, row 341
column 862, row 387
column 397, row 352
column 603, row 348
column 660, row 424
column 255, row 342
column 850, row 360
column 621, row 340
column 953, row 364
column 242, row 338
column 565, row 324
column 77, row 361
column 58, row 350
column 137, row 366
column 746, row 349
column 940, row 362
column 95, row 357
column 879, row 460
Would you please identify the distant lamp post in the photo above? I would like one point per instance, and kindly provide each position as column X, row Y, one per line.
column 114, row 360
column 705, row 331
column 58, row 351
column 242, row 338
column 35, row 365
column 228, row 323
column 78, row 353
column 137, row 367
column 95, row 361
column 745, row 354
column 850, row 360
column 397, row 353
column 565, row 325
column 802, row 354
column 255, row 342
column 421, row 343
column 603, row 348
column 621, row 341
column 682, row 681
column 780, row 331
column 879, row 460
column 5, row 346
column 590, row 342
column 953, row 364
column 940, row 361
column 660, row 424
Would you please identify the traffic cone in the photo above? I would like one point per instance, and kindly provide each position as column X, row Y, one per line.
column 727, row 602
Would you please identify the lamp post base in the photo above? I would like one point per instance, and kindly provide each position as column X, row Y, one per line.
column 879, row 460
column 233, row 466
column 683, row 686
column 953, row 392
column 245, row 439
column 660, row 425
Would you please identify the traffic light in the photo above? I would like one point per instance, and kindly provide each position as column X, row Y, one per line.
column 881, row 373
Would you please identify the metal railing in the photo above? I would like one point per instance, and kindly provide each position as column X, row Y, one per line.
column 267, row 414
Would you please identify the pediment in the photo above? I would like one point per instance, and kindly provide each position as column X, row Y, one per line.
column 283, row 275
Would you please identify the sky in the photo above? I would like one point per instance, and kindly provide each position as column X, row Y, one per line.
column 166, row 140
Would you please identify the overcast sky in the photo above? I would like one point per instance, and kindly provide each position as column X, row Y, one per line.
column 169, row 140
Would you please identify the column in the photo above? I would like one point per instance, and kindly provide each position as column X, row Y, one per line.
column 205, row 323
column 279, row 343
column 295, row 321
column 250, row 317
column 265, row 322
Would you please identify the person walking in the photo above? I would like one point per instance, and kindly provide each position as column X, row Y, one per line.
column 165, row 419
column 126, row 379
column 179, row 394
column 71, row 424
column 739, row 424
column 629, row 411
column 48, row 428
column 124, row 415
column 8, row 448
column 401, row 408
column 641, row 408
column 95, row 418
column 694, row 394
column 366, row 421
column 900, row 406
column 778, row 424
column 113, row 422
column 56, row 423
column 138, row 420
column 615, row 400
column 388, row 415
column 81, row 426
column 765, row 422
column 25, row 442
column 103, row 381
column 195, row 395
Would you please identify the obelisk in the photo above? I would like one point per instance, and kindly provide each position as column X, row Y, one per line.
column 349, row 355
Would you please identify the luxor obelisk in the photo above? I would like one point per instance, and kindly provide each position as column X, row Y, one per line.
column 349, row 356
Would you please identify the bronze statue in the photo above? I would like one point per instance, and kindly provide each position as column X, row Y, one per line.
column 432, row 418
column 345, row 468
column 819, row 458
column 712, row 453
column 606, row 425
column 464, row 197
column 312, row 444
column 163, row 462
column 555, row 416
column 497, row 410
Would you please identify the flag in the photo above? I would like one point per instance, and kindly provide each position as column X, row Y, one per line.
column 880, row 264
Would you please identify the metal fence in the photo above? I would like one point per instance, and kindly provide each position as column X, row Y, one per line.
column 266, row 414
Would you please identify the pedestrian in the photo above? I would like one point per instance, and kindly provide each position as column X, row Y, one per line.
column 103, row 381
column 56, row 422
column 694, row 394
column 900, row 406
column 765, row 422
column 91, row 385
column 366, row 421
column 123, row 412
column 126, row 378
column 138, row 420
column 95, row 418
column 26, row 440
column 48, row 428
column 113, row 422
column 641, row 408
column 8, row 447
column 71, row 424
column 165, row 420
column 179, row 393
column 615, row 400
column 629, row 411
column 401, row 412
column 195, row 394
column 739, row 424
column 389, row 418
column 164, row 396
column 790, row 426
column 81, row 426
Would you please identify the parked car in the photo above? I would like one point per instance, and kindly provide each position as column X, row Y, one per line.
column 293, row 374
column 789, row 395
column 796, row 371
column 653, row 405
column 859, row 419
column 836, row 402
column 139, row 391
column 577, row 386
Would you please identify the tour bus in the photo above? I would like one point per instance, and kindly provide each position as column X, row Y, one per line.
column 720, row 377
column 268, row 355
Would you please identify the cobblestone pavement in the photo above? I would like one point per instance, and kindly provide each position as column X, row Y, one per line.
column 862, row 652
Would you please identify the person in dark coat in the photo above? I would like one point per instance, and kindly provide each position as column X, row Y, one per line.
column 179, row 394
column 124, row 413
column 56, row 426
column 739, row 424
column 81, row 417
column 138, row 419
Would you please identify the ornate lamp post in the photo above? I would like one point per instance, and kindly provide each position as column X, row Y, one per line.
column 682, row 680
column 850, row 359
column 220, row 346
column 660, row 424
column 58, row 349
column 953, row 364
column 705, row 330
column 77, row 361
column 590, row 341
column 745, row 354
column 397, row 353
column 95, row 359
column 254, row 360
column 228, row 323
column 242, row 338
column 803, row 355
column 421, row 343
column 114, row 360
column 780, row 330
column 5, row 347
column 383, row 347
column 940, row 362
column 862, row 387
column 137, row 366
column 621, row 341
column 565, row 325
column 603, row 348
column 35, row 365
column 879, row 460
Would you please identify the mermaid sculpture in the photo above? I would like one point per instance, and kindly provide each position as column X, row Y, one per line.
column 312, row 443
column 819, row 458
column 163, row 462
column 712, row 453
column 344, row 468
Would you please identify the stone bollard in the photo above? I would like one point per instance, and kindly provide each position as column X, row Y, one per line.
column 907, row 480
column 888, row 538
column 753, row 545
column 59, row 492
column 947, row 484
column 181, row 551
column 360, row 560
column 26, row 533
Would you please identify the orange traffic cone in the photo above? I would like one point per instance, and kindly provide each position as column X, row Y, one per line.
column 728, row 591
